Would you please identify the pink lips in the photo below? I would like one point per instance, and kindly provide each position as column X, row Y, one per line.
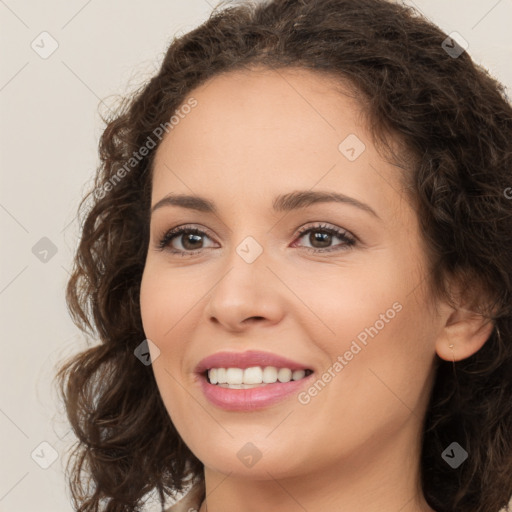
column 253, row 398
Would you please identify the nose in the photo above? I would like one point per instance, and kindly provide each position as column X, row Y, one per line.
column 247, row 294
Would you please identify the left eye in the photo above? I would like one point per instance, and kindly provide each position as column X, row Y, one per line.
column 321, row 237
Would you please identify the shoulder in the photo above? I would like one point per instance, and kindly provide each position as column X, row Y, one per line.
column 191, row 502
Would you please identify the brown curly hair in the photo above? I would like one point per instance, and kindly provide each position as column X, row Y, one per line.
column 452, row 120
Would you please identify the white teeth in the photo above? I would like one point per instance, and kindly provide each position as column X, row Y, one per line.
column 238, row 378
column 284, row 375
column 235, row 376
column 298, row 374
column 240, row 386
column 269, row 374
column 253, row 375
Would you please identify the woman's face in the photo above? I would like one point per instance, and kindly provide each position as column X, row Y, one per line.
column 351, row 306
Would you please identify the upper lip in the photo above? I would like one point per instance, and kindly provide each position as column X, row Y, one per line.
column 246, row 360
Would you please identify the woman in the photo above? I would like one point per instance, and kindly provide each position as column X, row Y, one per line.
column 298, row 260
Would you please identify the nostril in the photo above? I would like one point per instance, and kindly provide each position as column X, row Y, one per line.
column 252, row 318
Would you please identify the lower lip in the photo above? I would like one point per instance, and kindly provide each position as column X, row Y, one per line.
column 253, row 398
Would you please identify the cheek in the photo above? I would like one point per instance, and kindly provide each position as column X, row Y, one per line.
column 163, row 301
column 151, row 299
column 372, row 320
column 161, row 309
column 347, row 298
column 386, row 362
column 169, row 303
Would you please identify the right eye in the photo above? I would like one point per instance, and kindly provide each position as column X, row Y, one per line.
column 190, row 239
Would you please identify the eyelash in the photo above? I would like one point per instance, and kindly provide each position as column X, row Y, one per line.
column 167, row 237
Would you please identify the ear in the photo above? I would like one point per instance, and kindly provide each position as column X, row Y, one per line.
column 466, row 319
column 467, row 331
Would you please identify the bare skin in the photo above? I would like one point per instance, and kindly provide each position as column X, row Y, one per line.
column 356, row 444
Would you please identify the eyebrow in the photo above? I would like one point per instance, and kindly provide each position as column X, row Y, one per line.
column 282, row 203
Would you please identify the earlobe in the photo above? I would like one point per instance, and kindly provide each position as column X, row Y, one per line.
column 464, row 334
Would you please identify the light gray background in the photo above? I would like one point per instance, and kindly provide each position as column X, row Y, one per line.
column 50, row 127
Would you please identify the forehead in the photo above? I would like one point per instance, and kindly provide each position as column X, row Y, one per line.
column 281, row 110
column 262, row 131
